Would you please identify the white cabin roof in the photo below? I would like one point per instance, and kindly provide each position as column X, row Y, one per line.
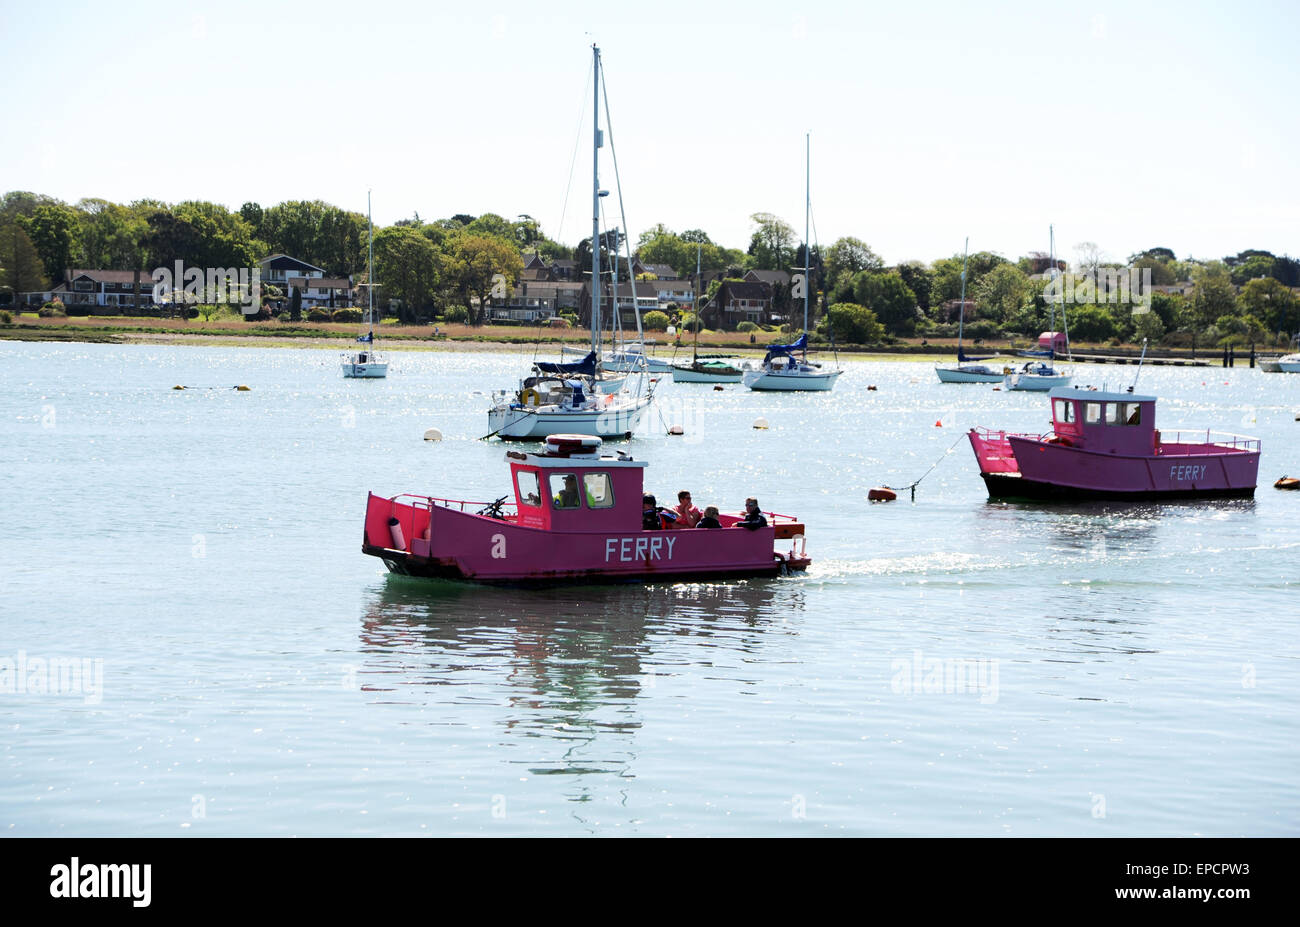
column 549, row 461
column 1096, row 395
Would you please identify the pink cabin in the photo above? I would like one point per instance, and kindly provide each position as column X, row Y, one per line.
column 1105, row 445
column 576, row 517
column 1052, row 341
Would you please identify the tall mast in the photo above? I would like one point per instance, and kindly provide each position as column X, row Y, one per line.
column 695, row 351
column 595, row 204
column 807, row 211
column 961, row 319
column 370, row 269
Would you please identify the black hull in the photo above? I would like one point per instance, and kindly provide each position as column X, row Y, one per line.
column 1001, row 486
column 404, row 564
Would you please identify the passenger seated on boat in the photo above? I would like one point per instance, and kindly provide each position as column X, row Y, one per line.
column 567, row 498
column 687, row 514
column 709, row 519
column 653, row 518
column 753, row 517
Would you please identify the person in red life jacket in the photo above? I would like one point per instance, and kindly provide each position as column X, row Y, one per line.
column 687, row 514
column 753, row 517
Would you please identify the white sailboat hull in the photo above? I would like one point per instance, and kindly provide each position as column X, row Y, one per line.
column 798, row 380
column 365, row 365
column 522, row 423
column 968, row 374
column 618, row 364
column 687, row 375
column 1036, row 382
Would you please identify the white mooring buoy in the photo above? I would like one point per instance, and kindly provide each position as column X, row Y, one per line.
column 433, row 434
column 760, row 423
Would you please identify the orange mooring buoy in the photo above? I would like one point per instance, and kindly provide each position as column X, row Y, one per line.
column 880, row 494
column 938, row 424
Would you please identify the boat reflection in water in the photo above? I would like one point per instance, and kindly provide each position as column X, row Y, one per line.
column 570, row 663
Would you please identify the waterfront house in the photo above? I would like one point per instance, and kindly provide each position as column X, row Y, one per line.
column 739, row 301
column 102, row 292
column 317, row 288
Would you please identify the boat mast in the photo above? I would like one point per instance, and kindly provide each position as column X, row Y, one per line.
column 370, row 273
column 961, row 319
column 1051, row 325
column 695, row 349
column 595, row 205
column 807, row 212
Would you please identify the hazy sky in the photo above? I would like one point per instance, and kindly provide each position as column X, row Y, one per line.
column 1131, row 125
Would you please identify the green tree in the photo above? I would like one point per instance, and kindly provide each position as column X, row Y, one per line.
column 847, row 258
column 21, row 269
column 850, row 323
column 406, row 267
column 478, row 259
column 1271, row 303
column 1214, row 295
column 53, row 229
column 1002, row 292
column 893, row 303
column 773, row 241
column 655, row 321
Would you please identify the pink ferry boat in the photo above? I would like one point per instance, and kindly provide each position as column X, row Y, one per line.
column 1105, row 445
column 576, row 517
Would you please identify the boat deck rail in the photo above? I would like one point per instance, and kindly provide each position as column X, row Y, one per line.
column 1205, row 441
column 419, row 501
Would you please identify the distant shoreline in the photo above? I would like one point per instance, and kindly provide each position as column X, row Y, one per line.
column 397, row 338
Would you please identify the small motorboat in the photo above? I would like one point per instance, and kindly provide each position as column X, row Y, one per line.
column 1287, row 482
column 1038, row 376
column 1104, row 445
column 576, row 516
column 1289, row 363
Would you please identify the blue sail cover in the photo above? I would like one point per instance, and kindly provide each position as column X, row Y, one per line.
column 786, row 350
column 587, row 365
column 368, row 338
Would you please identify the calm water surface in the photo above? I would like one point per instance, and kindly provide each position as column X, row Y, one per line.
column 952, row 666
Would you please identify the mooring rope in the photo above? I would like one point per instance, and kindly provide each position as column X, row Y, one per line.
column 912, row 487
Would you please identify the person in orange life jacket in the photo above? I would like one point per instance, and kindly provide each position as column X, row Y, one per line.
column 687, row 514
column 654, row 518
column 753, row 517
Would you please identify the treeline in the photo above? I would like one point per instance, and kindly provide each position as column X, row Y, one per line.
column 447, row 268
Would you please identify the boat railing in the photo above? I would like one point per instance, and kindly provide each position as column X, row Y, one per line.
column 1205, row 438
column 460, row 505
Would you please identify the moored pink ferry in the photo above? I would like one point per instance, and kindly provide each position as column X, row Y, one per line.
column 577, row 516
column 1105, row 445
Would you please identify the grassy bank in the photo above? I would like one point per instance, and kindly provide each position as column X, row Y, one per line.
column 227, row 331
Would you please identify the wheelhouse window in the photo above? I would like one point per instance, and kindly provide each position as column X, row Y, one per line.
column 1092, row 412
column 1124, row 413
column 528, row 490
column 564, row 491
column 1064, row 410
column 600, row 494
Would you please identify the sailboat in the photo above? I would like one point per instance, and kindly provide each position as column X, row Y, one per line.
column 367, row 363
column 710, row 371
column 562, row 398
column 781, row 369
column 1041, row 376
column 966, row 370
